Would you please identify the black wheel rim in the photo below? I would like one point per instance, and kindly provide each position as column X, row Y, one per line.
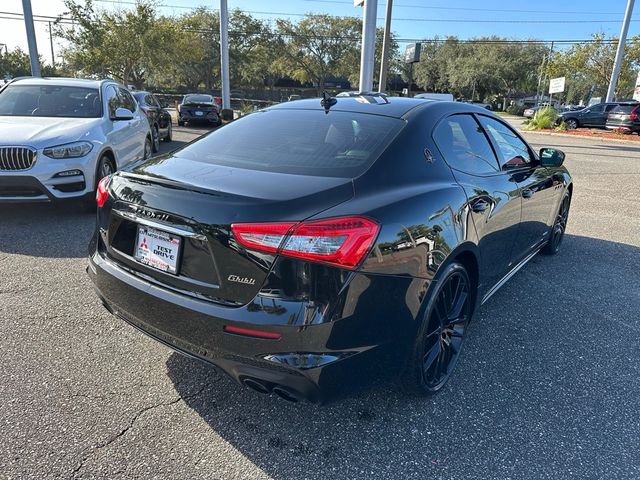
column 560, row 225
column 445, row 332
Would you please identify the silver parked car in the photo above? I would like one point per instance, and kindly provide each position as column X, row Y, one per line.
column 60, row 136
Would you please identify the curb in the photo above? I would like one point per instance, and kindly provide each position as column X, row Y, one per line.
column 588, row 137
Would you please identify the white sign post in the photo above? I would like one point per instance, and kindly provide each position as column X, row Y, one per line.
column 556, row 85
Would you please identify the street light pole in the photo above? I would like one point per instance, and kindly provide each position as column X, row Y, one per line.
column 382, row 84
column 368, row 45
column 224, row 54
column 53, row 57
column 31, row 38
column 620, row 52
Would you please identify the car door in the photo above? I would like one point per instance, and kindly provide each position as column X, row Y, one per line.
column 538, row 186
column 493, row 195
column 164, row 118
column 138, row 127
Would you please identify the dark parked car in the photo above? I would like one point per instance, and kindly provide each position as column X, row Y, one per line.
column 310, row 250
column 198, row 108
column 593, row 116
column 624, row 117
column 159, row 118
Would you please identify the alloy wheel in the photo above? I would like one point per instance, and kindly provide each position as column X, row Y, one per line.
column 147, row 148
column 445, row 333
column 156, row 139
column 106, row 168
column 560, row 224
column 571, row 124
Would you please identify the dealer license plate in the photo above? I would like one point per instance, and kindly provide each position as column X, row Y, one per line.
column 157, row 249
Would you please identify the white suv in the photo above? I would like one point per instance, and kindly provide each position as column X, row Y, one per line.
column 60, row 136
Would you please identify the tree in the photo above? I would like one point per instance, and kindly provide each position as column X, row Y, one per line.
column 125, row 44
column 16, row 63
column 588, row 66
column 318, row 47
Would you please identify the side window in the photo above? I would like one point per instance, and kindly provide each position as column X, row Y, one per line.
column 127, row 100
column 514, row 152
column 610, row 107
column 113, row 101
column 153, row 101
column 464, row 145
column 597, row 108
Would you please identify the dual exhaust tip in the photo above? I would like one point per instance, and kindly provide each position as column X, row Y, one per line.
column 266, row 388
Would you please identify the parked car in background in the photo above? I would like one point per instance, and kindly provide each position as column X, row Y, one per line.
column 531, row 111
column 159, row 118
column 310, row 250
column 594, row 116
column 197, row 107
column 624, row 117
column 60, row 136
column 482, row 105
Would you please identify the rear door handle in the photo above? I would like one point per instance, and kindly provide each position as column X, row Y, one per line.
column 527, row 193
column 479, row 206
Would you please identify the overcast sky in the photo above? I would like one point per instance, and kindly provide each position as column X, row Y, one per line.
column 412, row 19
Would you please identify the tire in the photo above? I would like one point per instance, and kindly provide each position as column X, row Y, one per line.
column 571, row 123
column 155, row 138
column 169, row 136
column 148, row 147
column 559, row 226
column 440, row 337
column 104, row 168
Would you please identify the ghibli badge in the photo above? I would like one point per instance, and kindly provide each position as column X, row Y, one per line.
column 238, row 279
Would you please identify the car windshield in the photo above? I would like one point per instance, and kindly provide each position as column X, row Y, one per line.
column 302, row 142
column 50, row 101
column 625, row 108
column 198, row 99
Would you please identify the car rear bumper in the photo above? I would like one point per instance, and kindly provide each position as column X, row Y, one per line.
column 317, row 363
column 622, row 125
column 212, row 117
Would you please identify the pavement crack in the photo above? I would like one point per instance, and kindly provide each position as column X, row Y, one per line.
column 130, row 424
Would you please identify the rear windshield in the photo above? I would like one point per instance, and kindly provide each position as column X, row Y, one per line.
column 50, row 101
column 625, row 108
column 303, row 142
column 198, row 99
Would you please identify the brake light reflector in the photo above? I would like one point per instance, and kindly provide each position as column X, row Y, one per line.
column 343, row 241
column 250, row 332
column 102, row 193
column 634, row 114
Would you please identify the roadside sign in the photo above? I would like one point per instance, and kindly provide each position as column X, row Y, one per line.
column 556, row 85
column 636, row 91
column 412, row 53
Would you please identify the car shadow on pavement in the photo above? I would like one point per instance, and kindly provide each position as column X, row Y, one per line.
column 45, row 230
column 547, row 387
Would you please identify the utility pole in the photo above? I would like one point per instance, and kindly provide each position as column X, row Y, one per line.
column 368, row 45
column 53, row 57
column 382, row 84
column 224, row 54
column 620, row 52
column 31, row 38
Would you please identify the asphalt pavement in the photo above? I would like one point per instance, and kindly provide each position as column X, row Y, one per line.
column 548, row 385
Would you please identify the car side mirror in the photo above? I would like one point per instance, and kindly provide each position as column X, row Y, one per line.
column 551, row 157
column 122, row 114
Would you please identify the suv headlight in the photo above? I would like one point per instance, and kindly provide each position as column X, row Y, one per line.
column 69, row 150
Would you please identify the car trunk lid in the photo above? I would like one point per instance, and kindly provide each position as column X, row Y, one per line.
column 197, row 204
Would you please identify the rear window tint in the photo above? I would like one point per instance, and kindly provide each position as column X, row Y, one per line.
column 303, row 142
column 624, row 108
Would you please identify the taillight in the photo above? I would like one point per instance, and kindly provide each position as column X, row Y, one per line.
column 102, row 193
column 634, row 114
column 145, row 111
column 343, row 241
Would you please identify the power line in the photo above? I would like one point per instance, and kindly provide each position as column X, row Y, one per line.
column 430, row 20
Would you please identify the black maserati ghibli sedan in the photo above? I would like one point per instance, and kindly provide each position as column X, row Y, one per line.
column 321, row 246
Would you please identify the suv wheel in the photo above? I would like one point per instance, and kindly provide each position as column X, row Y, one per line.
column 156, row 139
column 103, row 169
column 169, row 136
column 147, row 148
column 571, row 123
column 440, row 337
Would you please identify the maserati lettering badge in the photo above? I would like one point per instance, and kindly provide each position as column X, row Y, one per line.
column 238, row 279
